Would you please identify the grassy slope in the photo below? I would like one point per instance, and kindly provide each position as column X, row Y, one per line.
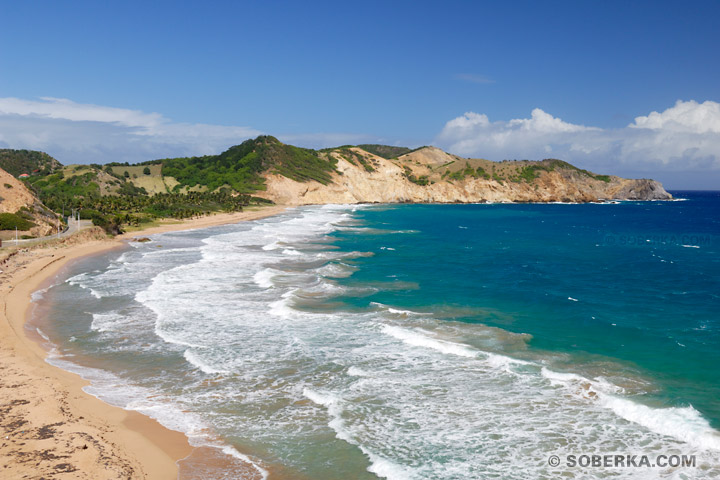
column 459, row 169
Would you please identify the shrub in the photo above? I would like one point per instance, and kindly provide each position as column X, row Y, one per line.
column 11, row 221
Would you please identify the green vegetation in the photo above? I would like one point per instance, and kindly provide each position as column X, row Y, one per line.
column 10, row 221
column 531, row 172
column 422, row 180
column 240, row 167
column 385, row 151
column 146, row 171
column 7, row 185
column 354, row 157
column 57, row 191
column 17, row 162
column 468, row 171
column 112, row 212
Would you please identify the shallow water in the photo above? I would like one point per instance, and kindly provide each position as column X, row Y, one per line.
column 416, row 341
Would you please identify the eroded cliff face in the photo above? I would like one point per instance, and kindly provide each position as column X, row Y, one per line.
column 389, row 183
column 15, row 196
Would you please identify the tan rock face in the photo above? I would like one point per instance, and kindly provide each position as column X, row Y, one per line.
column 14, row 195
column 388, row 184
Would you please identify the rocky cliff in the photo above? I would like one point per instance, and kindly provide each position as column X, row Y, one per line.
column 429, row 175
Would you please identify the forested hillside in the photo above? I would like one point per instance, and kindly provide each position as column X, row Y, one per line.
column 17, row 162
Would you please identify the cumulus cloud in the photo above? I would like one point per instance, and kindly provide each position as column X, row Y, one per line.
column 85, row 133
column 682, row 138
column 689, row 117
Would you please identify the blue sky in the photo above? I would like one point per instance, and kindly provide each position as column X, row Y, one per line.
column 161, row 79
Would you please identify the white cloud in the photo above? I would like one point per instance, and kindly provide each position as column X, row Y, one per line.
column 475, row 134
column 683, row 138
column 545, row 123
column 61, row 108
column 84, row 133
column 690, row 117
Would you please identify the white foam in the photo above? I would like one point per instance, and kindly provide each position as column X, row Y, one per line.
column 198, row 361
column 572, row 299
column 105, row 322
column 228, row 450
column 682, row 423
column 264, row 277
column 379, row 465
column 358, row 372
column 503, row 362
column 691, row 246
column 336, row 270
column 397, row 311
column 561, row 378
column 39, row 294
column 282, row 308
column 685, row 424
column 417, row 339
column 272, row 246
column 382, row 467
column 42, row 334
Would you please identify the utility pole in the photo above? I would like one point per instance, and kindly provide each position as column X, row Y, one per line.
column 16, row 240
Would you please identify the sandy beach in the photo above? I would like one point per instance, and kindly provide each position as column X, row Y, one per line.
column 50, row 427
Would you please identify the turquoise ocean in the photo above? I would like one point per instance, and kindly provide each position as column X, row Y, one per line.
column 413, row 341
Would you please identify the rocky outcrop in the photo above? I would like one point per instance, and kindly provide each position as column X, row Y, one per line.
column 390, row 182
column 643, row 189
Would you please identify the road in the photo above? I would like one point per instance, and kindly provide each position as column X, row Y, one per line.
column 74, row 226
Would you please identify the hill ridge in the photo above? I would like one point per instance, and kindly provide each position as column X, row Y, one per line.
column 264, row 169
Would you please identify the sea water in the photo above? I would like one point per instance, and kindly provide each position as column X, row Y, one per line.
column 415, row 341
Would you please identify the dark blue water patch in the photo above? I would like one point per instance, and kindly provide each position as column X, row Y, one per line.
column 637, row 282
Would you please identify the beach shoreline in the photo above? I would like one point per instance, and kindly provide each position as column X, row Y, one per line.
column 50, row 426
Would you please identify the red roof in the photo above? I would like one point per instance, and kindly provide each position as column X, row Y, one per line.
column 23, row 175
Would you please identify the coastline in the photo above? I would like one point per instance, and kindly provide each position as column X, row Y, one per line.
column 50, row 426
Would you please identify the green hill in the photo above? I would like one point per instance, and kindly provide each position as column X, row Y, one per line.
column 17, row 162
column 385, row 151
column 241, row 168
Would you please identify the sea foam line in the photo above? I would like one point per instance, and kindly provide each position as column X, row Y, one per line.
column 380, row 466
column 684, row 424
